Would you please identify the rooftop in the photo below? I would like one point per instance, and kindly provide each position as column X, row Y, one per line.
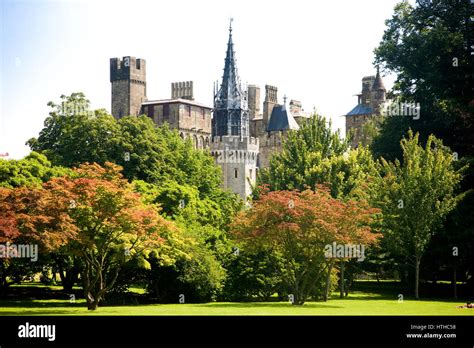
column 360, row 110
column 281, row 119
column 174, row 101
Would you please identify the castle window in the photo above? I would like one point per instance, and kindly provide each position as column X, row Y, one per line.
column 250, row 173
column 166, row 112
column 235, row 172
column 203, row 113
column 189, row 110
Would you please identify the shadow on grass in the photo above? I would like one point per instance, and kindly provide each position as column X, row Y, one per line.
column 272, row 305
column 38, row 304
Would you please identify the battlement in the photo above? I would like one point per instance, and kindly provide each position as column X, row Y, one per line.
column 182, row 90
column 128, row 68
column 232, row 140
column 271, row 94
column 272, row 139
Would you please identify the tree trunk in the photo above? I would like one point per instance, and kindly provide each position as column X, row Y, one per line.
column 328, row 282
column 341, row 281
column 417, row 276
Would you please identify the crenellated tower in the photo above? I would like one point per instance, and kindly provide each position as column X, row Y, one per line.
column 128, row 78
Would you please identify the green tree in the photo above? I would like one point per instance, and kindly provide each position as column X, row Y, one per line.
column 425, row 46
column 145, row 151
column 416, row 196
column 32, row 170
column 304, row 150
column 253, row 274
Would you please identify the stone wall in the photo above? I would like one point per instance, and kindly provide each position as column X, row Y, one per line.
column 192, row 121
column 237, row 157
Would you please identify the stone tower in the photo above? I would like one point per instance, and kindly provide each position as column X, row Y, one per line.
column 378, row 93
column 271, row 99
column 235, row 151
column 254, row 101
column 128, row 78
column 370, row 103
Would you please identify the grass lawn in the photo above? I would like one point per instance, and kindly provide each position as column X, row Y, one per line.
column 358, row 303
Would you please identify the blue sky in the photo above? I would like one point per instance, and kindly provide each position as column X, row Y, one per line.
column 314, row 51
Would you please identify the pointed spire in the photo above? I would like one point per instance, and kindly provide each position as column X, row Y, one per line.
column 378, row 83
column 230, row 103
column 230, row 88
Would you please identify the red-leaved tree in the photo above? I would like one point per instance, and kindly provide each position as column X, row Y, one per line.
column 299, row 226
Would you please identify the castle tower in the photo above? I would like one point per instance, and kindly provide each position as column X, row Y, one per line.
column 370, row 101
column 271, row 99
column 377, row 93
column 254, row 101
column 235, row 151
column 128, row 78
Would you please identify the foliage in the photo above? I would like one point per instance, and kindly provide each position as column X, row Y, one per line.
column 299, row 225
column 314, row 155
column 32, row 170
column 303, row 151
column 197, row 275
column 434, row 29
column 416, row 196
column 146, row 152
column 253, row 275
column 95, row 215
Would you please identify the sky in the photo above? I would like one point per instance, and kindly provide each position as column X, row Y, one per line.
column 314, row 51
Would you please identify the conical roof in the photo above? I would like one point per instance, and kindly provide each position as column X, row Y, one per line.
column 378, row 83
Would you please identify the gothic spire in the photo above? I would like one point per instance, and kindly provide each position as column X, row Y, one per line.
column 230, row 87
column 231, row 115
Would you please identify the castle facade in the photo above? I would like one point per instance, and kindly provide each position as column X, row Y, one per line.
column 240, row 137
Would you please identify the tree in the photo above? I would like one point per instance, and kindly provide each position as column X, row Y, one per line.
column 426, row 46
column 253, row 275
column 416, row 196
column 110, row 222
column 32, row 170
column 146, row 152
column 299, row 226
column 26, row 217
column 315, row 155
column 303, row 151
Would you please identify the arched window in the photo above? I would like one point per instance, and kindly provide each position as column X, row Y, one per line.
column 201, row 142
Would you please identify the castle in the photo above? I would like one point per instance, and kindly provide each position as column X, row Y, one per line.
column 370, row 103
column 240, row 138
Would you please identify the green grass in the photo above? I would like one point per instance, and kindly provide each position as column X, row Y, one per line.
column 358, row 303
